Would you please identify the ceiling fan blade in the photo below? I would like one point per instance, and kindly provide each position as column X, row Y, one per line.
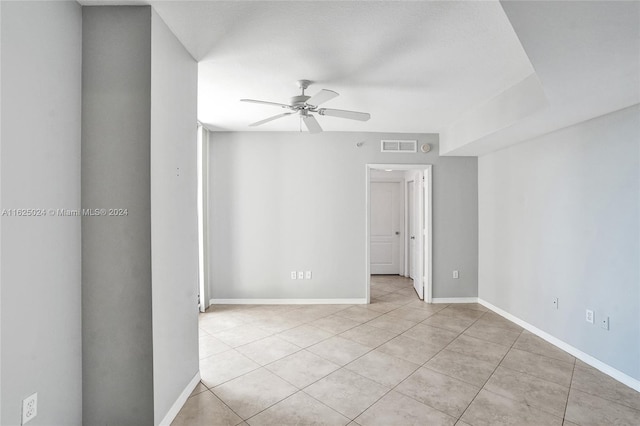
column 266, row 120
column 321, row 97
column 266, row 103
column 311, row 123
column 352, row 115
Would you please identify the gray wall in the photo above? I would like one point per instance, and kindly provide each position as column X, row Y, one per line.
column 117, row 345
column 559, row 217
column 40, row 263
column 140, row 271
column 174, row 227
column 293, row 201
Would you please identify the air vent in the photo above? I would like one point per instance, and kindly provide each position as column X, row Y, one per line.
column 398, row 146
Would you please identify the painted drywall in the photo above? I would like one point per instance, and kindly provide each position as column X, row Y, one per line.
column 469, row 133
column 116, row 250
column 174, row 226
column 559, row 217
column 40, row 263
column 282, row 201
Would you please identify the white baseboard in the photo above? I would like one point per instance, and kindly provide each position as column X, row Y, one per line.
column 175, row 408
column 454, row 300
column 362, row 301
column 586, row 358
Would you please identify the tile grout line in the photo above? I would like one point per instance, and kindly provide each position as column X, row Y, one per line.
column 354, row 372
column 489, row 378
column 536, row 377
column 264, row 366
column 338, row 369
column 398, row 307
column 210, row 389
column 393, row 388
column 527, row 374
column 566, row 405
column 576, row 366
column 226, row 405
column 424, row 365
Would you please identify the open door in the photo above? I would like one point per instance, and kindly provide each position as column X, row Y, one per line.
column 426, row 212
column 415, row 213
column 414, row 237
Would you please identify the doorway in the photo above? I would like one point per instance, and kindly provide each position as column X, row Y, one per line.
column 413, row 237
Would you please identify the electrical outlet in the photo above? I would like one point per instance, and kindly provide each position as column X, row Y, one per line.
column 589, row 316
column 300, row 275
column 294, row 275
column 307, row 275
column 29, row 407
column 555, row 303
column 604, row 323
column 456, row 275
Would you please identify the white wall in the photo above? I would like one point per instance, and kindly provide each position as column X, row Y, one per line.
column 559, row 217
column 293, row 201
column 40, row 168
column 174, row 227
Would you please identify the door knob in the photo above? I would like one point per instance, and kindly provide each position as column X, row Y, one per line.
column 413, row 238
column 397, row 233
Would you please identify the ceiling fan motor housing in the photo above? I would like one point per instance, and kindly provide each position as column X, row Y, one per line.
column 299, row 101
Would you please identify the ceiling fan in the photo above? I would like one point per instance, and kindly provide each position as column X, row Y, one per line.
column 306, row 105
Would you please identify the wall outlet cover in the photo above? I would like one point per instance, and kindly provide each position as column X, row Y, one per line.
column 589, row 316
column 294, row 275
column 604, row 323
column 29, row 407
column 300, row 275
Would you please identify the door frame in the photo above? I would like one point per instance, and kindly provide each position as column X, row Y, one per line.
column 426, row 210
column 202, row 215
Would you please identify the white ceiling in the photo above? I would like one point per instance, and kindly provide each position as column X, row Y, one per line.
column 414, row 66
column 482, row 78
column 587, row 59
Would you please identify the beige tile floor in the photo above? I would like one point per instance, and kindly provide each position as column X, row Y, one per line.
column 397, row 361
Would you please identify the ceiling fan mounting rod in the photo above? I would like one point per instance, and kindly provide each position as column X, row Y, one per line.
column 303, row 84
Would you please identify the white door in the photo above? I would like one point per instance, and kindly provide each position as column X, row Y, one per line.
column 386, row 210
column 411, row 249
column 415, row 237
